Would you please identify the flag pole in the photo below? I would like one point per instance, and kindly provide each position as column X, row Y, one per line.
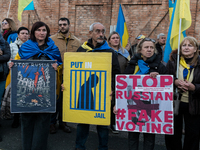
column 177, row 101
column 9, row 9
column 179, row 38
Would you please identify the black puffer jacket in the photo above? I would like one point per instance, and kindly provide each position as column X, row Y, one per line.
column 4, row 46
column 153, row 63
column 194, row 100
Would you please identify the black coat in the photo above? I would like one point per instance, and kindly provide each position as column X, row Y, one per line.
column 4, row 46
column 160, row 52
column 153, row 62
column 194, row 100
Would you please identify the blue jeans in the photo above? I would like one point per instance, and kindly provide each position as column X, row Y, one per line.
column 35, row 130
column 133, row 141
column 83, row 132
column 2, row 88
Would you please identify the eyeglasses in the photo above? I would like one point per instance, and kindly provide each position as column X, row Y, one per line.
column 64, row 24
column 4, row 23
column 98, row 31
column 148, row 39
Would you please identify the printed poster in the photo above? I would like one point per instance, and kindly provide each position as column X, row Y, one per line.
column 33, row 86
column 87, row 83
column 144, row 104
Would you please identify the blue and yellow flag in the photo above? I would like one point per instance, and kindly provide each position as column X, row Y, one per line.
column 181, row 11
column 171, row 7
column 122, row 28
column 24, row 5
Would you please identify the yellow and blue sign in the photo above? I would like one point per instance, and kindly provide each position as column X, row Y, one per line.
column 87, row 83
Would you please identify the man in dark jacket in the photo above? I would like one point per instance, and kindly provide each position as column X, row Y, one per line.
column 97, row 44
column 4, row 58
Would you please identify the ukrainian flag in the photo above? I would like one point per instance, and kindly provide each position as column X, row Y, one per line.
column 122, row 28
column 24, row 5
column 181, row 11
column 171, row 6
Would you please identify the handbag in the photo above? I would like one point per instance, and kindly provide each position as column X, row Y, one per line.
column 176, row 102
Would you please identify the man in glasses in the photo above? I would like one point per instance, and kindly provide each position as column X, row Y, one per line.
column 66, row 42
column 161, row 38
column 97, row 43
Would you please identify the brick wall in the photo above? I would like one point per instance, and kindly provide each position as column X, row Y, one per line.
column 148, row 17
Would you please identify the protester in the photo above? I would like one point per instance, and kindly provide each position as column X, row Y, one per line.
column 23, row 35
column 114, row 42
column 97, row 44
column 9, row 30
column 66, row 42
column 160, row 45
column 188, row 84
column 4, row 58
column 132, row 51
column 144, row 62
column 35, row 126
column 123, row 55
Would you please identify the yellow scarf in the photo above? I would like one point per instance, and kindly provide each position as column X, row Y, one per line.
column 85, row 46
column 136, row 69
column 183, row 63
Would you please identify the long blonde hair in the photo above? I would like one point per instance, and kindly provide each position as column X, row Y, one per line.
column 120, row 45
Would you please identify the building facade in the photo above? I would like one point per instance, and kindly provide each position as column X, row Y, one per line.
column 148, row 17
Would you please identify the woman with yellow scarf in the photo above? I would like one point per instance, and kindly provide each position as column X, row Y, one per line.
column 188, row 84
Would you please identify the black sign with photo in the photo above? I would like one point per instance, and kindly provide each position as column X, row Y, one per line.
column 33, row 86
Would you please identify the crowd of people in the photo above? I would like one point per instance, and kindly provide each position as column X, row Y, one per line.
column 145, row 57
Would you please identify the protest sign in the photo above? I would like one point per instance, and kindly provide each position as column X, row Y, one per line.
column 144, row 104
column 33, row 86
column 87, row 83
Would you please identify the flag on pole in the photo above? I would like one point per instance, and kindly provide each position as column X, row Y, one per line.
column 24, row 5
column 171, row 7
column 122, row 28
column 181, row 11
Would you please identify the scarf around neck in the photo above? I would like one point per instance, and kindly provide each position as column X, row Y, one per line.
column 143, row 67
column 89, row 49
column 30, row 48
column 186, row 71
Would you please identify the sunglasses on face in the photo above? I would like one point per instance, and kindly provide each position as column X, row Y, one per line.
column 64, row 24
column 4, row 23
column 148, row 39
